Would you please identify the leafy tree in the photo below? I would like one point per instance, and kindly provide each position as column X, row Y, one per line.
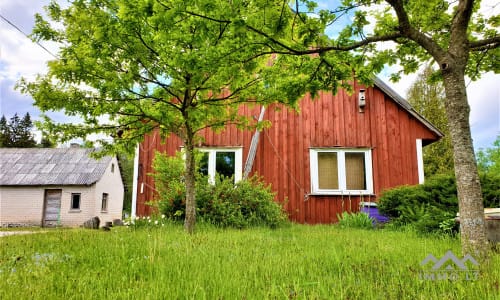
column 174, row 66
column 454, row 34
column 427, row 97
column 4, row 132
column 489, row 158
column 17, row 132
column 127, row 171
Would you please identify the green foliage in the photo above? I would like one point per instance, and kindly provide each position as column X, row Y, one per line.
column 427, row 96
column 489, row 166
column 247, row 203
column 17, row 133
column 177, row 66
column 357, row 220
column 489, row 158
column 169, row 183
column 432, row 206
column 126, row 164
column 428, row 206
column 226, row 204
column 490, row 185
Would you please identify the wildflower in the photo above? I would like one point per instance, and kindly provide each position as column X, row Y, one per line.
column 156, row 222
column 163, row 216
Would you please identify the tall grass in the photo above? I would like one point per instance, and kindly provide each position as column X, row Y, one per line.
column 296, row 262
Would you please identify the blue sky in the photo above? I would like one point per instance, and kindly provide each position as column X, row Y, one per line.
column 19, row 57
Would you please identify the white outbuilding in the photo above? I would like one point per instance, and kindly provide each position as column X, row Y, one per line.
column 58, row 187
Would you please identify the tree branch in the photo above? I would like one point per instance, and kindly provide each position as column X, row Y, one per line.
column 406, row 30
column 490, row 43
column 289, row 50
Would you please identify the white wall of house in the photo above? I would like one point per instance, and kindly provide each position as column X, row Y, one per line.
column 21, row 208
column 71, row 217
column 24, row 205
column 112, row 184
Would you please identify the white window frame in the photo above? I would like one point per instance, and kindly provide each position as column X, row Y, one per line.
column 420, row 161
column 313, row 156
column 238, row 161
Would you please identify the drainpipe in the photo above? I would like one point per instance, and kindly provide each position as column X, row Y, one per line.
column 135, row 182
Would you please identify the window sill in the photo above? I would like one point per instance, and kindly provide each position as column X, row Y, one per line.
column 73, row 211
column 104, row 211
column 345, row 194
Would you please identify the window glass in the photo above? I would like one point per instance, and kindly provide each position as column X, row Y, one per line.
column 75, row 201
column 355, row 171
column 203, row 167
column 328, row 171
column 104, row 204
column 225, row 163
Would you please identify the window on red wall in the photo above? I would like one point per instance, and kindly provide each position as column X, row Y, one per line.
column 337, row 171
column 221, row 161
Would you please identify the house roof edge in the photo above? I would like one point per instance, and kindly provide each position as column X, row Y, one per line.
column 402, row 102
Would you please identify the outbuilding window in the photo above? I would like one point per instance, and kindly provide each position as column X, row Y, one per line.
column 75, row 201
column 104, row 203
column 222, row 161
column 336, row 171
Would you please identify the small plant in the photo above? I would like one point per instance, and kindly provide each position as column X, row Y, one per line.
column 356, row 220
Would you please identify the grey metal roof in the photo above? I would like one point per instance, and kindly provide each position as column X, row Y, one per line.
column 49, row 166
column 405, row 105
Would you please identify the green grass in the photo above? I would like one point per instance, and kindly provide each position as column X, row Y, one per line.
column 297, row 262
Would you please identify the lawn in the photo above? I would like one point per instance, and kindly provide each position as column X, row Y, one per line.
column 295, row 262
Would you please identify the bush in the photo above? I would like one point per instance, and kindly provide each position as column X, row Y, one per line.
column 432, row 206
column 247, row 203
column 490, row 185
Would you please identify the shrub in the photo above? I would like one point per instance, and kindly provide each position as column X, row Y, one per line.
column 432, row 206
column 357, row 220
column 428, row 207
column 247, row 203
column 490, row 185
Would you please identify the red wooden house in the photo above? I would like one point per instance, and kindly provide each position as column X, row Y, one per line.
column 338, row 151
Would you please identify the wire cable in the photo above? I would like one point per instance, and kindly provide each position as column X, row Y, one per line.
column 27, row 36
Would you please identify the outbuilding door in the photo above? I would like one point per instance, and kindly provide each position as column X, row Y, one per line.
column 51, row 208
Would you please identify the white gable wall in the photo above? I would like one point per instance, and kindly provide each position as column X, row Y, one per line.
column 112, row 184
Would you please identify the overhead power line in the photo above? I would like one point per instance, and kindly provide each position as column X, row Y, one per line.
column 26, row 35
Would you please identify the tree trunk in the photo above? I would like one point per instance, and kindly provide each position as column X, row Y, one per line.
column 190, row 219
column 470, row 200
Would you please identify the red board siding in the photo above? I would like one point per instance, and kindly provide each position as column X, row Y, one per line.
column 283, row 151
